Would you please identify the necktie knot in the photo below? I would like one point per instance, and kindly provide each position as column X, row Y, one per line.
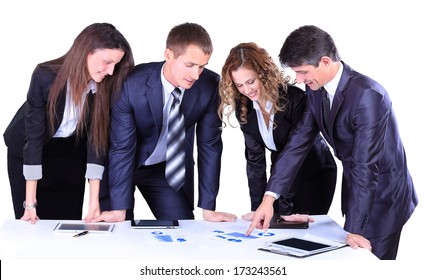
column 176, row 93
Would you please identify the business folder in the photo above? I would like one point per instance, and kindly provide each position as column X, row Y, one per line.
column 278, row 222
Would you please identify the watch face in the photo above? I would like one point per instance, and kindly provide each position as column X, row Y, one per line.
column 29, row 207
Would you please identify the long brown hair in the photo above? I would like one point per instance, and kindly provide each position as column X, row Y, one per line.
column 250, row 56
column 72, row 70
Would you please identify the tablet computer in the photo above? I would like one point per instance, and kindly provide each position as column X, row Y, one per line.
column 79, row 227
column 299, row 247
column 142, row 224
column 300, row 244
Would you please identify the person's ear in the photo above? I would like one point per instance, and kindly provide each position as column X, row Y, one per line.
column 325, row 60
column 168, row 54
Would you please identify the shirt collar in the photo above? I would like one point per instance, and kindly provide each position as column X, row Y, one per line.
column 268, row 106
column 331, row 86
column 167, row 86
column 92, row 86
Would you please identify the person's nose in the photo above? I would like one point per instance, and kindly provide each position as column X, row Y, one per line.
column 110, row 69
column 300, row 78
column 195, row 73
column 245, row 89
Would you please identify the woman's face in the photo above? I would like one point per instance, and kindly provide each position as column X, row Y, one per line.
column 247, row 82
column 101, row 63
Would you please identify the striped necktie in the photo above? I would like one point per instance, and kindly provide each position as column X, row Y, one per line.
column 175, row 155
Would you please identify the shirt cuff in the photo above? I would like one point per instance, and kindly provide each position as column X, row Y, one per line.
column 94, row 171
column 32, row 172
column 276, row 196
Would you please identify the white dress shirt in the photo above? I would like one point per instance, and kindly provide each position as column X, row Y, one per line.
column 265, row 132
column 159, row 153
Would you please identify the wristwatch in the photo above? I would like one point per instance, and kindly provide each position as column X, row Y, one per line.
column 30, row 206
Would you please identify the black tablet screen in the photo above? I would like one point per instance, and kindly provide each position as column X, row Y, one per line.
column 301, row 244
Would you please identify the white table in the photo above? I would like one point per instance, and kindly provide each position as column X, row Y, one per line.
column 194, row 240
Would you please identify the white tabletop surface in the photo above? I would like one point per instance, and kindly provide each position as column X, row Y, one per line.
column 193, row 240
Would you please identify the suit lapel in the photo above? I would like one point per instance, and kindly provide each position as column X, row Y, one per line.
column 338, row 99
column 252, row 125
column 156, row 102
column 190, row 98
column 60, row 108
column 155, row 96
column 339, row 96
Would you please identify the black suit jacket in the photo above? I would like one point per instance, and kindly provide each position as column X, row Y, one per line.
column 136, row 125
column 318, row 169
column 28, row 131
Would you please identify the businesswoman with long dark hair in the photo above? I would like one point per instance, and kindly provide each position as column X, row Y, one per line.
column 59, row 137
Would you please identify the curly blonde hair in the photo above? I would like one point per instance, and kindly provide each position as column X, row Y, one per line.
column 250, row 56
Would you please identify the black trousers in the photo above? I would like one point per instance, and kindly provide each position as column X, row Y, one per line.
column 60, row 192
column 313, row 189
column 162, row 200
column 316, row 184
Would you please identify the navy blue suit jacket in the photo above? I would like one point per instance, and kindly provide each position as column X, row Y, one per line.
column 136, row 124
column 378, row 195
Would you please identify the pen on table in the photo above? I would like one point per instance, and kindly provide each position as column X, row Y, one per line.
column 81, row 233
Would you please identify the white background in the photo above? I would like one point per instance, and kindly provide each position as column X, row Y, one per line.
column 382, row 39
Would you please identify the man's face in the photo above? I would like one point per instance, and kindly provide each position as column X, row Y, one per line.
column 184, row 70
column 311, row 76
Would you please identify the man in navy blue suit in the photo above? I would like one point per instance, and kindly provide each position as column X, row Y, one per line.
column 378, row 195
column 139, row 131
